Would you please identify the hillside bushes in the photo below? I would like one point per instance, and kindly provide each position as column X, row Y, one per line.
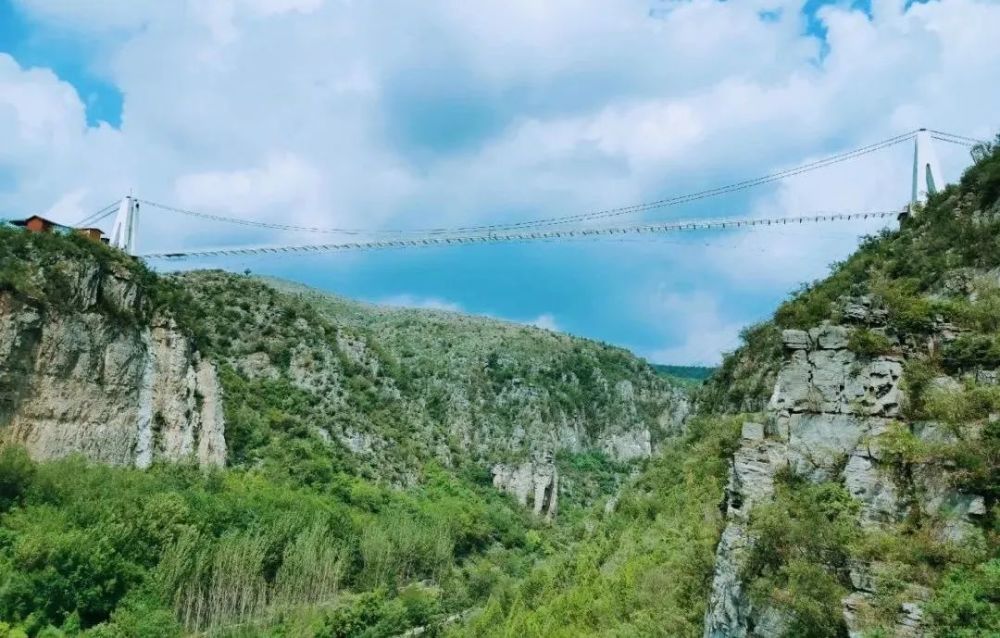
column 745, row 380
column 867, row 344
column 967, row 604
column 123, row 552
column 800, row 557
column 646, row 569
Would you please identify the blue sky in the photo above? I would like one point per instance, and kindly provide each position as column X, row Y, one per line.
column 448, row 113
column 70, row 56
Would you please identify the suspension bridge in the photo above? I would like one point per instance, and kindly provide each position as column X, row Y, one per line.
column 926, row 180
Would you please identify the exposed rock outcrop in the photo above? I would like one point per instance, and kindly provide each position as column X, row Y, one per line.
column 87, row 377
column 751, row 481
column 824, row 421
column 534, row 484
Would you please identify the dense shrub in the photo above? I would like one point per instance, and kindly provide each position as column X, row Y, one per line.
column 745, row 380
column 867, row 343
column 967, row 603
column 800, row 554
column 151, row 553
column 17, row 472
column 971, row 352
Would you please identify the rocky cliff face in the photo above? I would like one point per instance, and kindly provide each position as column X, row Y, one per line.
column 827, row 417
column 92, row 373
column 884, row 412
column 534, row 484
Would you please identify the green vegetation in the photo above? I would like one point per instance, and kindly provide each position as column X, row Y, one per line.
column 401, row 379
column 123, row 552
column 868, row 343
column 645, row 570
column 587, row 478
column 967, row 603
column 745, row 380
column 685, row 376
column 45, row 268
column 358, row 498
column 959, row 228
column 934, row 276
column 809, row 538
column 800, row 558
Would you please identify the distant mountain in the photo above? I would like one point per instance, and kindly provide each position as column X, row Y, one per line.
column 688, row 373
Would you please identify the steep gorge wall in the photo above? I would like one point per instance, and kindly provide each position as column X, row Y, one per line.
column 83, row 376
column 825, row 422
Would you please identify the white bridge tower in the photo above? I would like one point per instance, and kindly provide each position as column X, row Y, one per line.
column 927, row 178
column 126, row 225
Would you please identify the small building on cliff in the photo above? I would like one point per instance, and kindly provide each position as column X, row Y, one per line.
column 39, row 224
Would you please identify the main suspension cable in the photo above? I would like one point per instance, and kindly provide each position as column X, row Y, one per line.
column 555, row 221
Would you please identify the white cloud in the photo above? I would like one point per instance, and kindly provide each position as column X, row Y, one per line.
column 288, row 110
column 284, row 181
column 708, row 87
column 414, row 301
column 706, row 334
column 545, row 321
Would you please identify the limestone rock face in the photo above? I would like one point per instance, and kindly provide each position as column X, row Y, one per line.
column 824, row 420
column 728, row 612
column 83, row 379
column 534, row 484
column 751, row 481
column 823, row 376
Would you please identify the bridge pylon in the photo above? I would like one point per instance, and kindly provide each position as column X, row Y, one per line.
column 126, row 226
column 927, row 178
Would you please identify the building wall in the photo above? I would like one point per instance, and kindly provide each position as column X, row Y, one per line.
column 37, row 226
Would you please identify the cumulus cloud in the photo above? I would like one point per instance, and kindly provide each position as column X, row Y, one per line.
column 250, row 87
column 703, row 331
column 398, row 115
column 284, row 181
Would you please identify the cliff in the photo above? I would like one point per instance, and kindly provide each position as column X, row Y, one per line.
column 87, row 366
column 866, row 487
column 387, row 389
column 839, row 472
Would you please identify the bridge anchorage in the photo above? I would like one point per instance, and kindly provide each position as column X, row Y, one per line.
column 927, row 180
